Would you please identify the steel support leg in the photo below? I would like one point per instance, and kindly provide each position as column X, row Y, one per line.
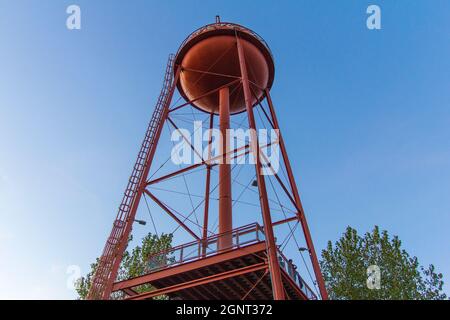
column 301, row 216
column 225, row 214
column 274, row 267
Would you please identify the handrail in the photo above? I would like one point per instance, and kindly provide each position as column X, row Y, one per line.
column 220, row 25
column 251, row 226
column 178, row 255
column 303, row 285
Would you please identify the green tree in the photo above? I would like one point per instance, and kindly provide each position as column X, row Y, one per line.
column 133, row 264
column 344, row 267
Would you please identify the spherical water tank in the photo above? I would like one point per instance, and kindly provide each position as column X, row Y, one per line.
column 209, row 59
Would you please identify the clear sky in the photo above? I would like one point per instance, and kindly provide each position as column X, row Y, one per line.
column 365, row 115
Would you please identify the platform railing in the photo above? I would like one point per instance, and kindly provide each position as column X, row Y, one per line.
column 241, row 237
column 290, row 269
column 222, row 25
column 199, row 249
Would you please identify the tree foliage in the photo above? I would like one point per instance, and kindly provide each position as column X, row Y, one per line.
column 344, row 267
column 133, row 264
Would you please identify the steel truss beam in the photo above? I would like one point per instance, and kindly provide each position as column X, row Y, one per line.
column 274, row 267
column 201, row 281
column 208, row 162
column 204, row 95
column 170, row 213
column 191, row 266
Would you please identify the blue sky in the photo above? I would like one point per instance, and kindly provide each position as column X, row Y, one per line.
column 365, row 115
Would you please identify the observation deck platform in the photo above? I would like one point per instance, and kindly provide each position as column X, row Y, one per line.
column 198, row 271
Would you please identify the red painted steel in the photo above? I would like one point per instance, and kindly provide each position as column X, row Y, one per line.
column 301, row 215
column 109, row 262
column 217, row 257
column 201, row 281
column 207, row 187
column 225, row 204
column 275, row 274
column 244, row 247
column 170, row 213
column 209, row 59
column 222, row 69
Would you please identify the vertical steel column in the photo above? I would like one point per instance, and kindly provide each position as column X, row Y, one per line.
column 207, row 189
column 274, row 267
column 225, row 215
column 301, row 214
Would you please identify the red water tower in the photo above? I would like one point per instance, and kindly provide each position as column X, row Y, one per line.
column 222, row 70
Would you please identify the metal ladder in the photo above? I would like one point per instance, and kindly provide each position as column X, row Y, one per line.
column 121, row 226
